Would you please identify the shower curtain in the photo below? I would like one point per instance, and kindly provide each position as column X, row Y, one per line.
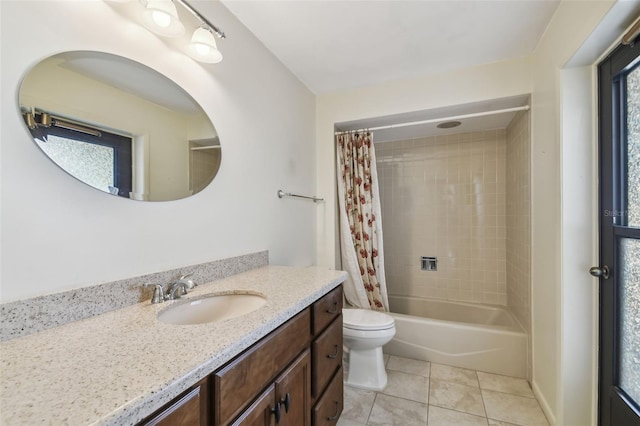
column 360, row 222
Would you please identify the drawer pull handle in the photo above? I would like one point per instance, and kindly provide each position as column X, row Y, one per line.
column 335, row 354
column 334, row 309
column 286, row 401
column 335, row 416
column 276, row 411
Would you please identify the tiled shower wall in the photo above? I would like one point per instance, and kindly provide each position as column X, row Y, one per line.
column 519, row 219
column 446, row 197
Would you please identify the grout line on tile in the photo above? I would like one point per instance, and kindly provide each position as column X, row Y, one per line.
column 512, row 394
column 371, row 408
column 484, row 406
column 498, row 420
column 465, row 412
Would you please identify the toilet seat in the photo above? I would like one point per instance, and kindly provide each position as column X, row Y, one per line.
column 364, row 319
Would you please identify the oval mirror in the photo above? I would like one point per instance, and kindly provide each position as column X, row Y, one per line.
column 119, row 126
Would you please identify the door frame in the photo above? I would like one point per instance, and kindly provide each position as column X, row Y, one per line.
column 609, row 207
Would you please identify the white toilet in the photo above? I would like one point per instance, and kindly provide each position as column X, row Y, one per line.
column 364, row 333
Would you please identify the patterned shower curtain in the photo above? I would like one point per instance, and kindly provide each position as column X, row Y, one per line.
column 360, row 222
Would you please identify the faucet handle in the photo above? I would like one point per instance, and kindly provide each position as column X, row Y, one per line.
column 190, row 284
column 158, row 293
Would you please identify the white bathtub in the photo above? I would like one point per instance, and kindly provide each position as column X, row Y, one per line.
column 479, row 337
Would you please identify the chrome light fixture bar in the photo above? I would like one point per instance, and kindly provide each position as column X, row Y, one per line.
column 204, row 20
column 162, row 18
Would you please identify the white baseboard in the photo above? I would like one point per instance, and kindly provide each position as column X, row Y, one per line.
column 543, row 404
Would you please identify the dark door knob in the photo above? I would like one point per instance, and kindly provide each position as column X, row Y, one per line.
column 286, row 401
column 600, row 272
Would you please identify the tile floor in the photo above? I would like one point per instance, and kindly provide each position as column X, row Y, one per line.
column 428, row 394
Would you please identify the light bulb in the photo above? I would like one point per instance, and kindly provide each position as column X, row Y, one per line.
column 202, row 49
column 162, row 19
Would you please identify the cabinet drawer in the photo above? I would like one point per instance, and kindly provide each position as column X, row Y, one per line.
column 240, row 381
column 327, row 356
column 327, row 309
column 329, row 407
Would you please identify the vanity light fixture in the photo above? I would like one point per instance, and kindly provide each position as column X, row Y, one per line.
column 36, row 118
column 162, row 17
column 203, row 46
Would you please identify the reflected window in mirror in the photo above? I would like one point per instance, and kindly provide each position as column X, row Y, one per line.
column 94, row 156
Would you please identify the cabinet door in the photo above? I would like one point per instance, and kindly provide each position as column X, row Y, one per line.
column 293, row 392
column 189, row 409
column 262, row 412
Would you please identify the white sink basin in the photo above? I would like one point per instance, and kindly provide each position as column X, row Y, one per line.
column 211, row 308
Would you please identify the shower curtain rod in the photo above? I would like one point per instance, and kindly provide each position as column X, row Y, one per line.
column 438, row 120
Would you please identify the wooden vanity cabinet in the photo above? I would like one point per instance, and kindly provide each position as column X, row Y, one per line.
column 326, row 350
column 238, row 383
column 292, row 377
column 286, row 402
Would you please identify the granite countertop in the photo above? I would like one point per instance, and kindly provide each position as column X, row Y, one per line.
column 121, row 366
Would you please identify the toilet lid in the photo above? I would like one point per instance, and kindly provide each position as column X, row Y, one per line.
column 364, row 319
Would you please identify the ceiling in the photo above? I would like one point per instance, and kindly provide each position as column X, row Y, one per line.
column 333, row 45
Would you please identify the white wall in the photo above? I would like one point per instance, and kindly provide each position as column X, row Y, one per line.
column 59, row 234
column 562, row 227
column 564, row 134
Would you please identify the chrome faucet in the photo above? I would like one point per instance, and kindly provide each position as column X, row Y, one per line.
column 174, row 290
column 179, row 288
